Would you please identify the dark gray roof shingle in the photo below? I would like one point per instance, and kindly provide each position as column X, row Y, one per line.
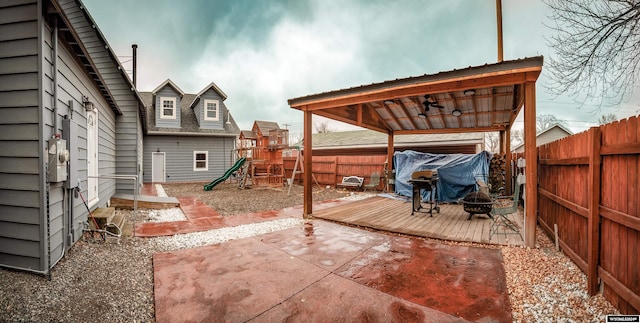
column 189, row 123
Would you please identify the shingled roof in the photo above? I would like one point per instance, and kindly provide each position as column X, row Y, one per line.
column 189, row 123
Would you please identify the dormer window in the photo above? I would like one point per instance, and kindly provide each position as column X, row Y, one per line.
column 168, row 108
column 211, row 110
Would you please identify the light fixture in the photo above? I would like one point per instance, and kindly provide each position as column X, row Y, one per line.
column 388, row 102
column 456, row 113
column 469, row 92
column 428, row 103
column 88, row 105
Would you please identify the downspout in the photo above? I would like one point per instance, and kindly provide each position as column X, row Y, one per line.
column 54, row 44
column 41, row 153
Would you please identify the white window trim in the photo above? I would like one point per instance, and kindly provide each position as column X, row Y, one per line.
column 206, row 161
column 93, row 197
column 217, row 118
column 162, row 116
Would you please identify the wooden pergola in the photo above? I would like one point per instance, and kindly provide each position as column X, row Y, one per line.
column 483, row 98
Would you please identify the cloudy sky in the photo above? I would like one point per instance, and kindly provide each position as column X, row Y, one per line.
column 261, row 53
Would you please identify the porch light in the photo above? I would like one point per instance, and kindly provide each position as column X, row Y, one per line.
column 469, row 92
column 456, row 113
column 88, row 105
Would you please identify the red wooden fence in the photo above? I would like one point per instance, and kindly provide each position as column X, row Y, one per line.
column 588, row 185
column 329, row 170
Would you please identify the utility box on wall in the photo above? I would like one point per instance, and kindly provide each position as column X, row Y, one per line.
column 58, row 157
column 70, row 131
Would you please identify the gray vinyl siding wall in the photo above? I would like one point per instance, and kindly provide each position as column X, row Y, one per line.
column 21, row 212
column 179, row 156
column 73, row 84
column 167, row 92
column 127, row 125
column 200, row 111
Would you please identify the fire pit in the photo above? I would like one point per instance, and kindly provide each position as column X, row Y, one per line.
column 477, row 203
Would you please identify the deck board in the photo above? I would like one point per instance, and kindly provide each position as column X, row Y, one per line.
column 395, row 216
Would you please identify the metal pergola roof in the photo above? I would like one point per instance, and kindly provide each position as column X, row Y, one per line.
column 473, row 99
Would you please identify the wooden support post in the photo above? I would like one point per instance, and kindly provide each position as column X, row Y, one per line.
column 499, row 23
column 390, row 152
column 531, row 156
column 508, row 174
column 593, row 218
column 501, row 141
column 307, row 162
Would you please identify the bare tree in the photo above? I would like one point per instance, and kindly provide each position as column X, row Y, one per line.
column 607, row 118
column 493, row 141
column 295, row 138
column 322, row 127
column 597, row 46
column 545, row 121
column 517, row 137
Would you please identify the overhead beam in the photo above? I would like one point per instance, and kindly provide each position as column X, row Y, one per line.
column 449, row 130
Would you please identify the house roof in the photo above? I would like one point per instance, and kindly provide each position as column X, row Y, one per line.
column 189, row 123
column 488, row 97
column 210, row 86
column 555, row 126
column 369, row 139
column 171, row 84
column 91, row 49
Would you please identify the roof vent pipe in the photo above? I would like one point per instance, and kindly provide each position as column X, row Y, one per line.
column 135, row 63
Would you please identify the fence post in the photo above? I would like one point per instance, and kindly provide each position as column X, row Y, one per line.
column 336, row 180
column 593, row 235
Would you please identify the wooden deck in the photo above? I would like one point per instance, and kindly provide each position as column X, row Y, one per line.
column 394, row 215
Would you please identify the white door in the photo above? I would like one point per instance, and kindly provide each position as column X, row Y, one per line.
column 158, row 174
column 92, row 157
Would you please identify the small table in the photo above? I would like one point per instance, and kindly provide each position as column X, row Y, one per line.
column 428, row 184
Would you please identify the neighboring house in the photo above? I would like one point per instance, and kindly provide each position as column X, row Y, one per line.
column 59, row 78
column 548, row 135
column 190, row 137
column 368, row 142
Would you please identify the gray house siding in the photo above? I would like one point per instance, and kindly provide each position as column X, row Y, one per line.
column 179, row 156
column 167, row 91
column 20, row 143
column 127, row 125
column 200, row 112
column 73, row 84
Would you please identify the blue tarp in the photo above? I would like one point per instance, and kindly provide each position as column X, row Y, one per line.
column 457, row 173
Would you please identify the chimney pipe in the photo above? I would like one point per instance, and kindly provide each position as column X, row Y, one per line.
column 135, row 63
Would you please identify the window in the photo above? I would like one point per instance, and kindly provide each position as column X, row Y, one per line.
column 200, row 160
column 211, row 110
column 168, row 108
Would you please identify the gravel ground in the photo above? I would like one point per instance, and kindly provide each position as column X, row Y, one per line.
column 112, row 280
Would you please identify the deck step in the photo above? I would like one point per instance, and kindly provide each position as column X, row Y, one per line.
column 102, row 215
column 119, row 221
column 125, row 201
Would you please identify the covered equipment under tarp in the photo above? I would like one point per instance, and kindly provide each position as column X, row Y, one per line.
column 457, row 173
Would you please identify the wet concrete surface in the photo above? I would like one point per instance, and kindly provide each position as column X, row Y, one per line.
column 321, row 272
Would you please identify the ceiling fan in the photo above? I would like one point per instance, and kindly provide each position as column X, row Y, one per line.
column 427, row 103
